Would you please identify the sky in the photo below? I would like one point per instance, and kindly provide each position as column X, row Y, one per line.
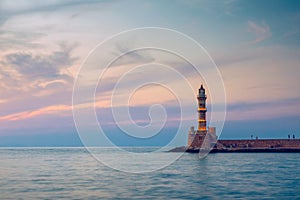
column 43, row 45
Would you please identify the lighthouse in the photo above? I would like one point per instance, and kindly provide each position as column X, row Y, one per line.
column 196, row 137
column 202, row 110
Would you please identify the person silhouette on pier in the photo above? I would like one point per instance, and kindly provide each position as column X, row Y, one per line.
column 293, row 136
column 289, row 136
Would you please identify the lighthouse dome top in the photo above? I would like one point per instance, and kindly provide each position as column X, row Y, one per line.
column 202, row 88
column 201, row 91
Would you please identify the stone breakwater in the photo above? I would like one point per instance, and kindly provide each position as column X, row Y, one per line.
column 253, row 145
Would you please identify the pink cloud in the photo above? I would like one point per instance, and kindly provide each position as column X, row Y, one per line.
column 54, row 109
column 261, row 32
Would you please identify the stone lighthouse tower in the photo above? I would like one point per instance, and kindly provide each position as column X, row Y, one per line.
column 201, row 111
column 196, row 137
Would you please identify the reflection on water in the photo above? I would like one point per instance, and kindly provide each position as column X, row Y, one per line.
column 72, row 173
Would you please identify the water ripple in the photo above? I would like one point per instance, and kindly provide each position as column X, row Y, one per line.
column 71, row 173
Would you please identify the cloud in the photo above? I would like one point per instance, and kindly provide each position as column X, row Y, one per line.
column 131, row 56
column 11, row 7
column 41, row 66
column 3, row 101
column 261, row 32
column 243, row 106
column 14, row 39
column 37, row 71
column 263, row 109
column 54, row 109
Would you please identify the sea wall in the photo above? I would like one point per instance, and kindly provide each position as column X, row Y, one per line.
column 259, row 143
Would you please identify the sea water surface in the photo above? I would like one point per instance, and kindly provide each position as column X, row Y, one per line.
column 72, row 173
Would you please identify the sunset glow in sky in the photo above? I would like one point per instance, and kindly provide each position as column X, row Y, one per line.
column 255, row 44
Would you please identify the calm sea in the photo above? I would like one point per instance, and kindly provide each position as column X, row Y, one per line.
column 72, row 173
